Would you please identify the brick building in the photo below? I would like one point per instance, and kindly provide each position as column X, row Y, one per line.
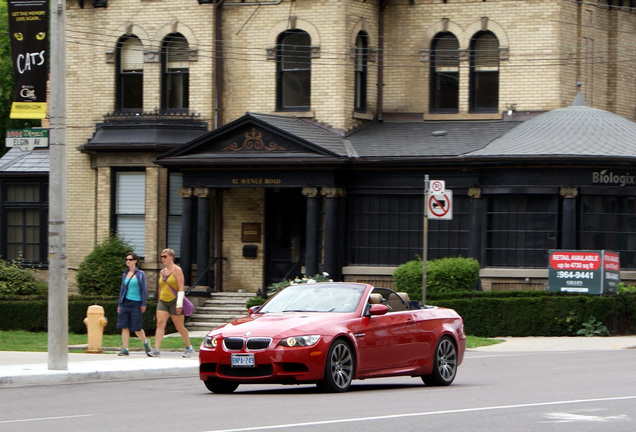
column 349, row 104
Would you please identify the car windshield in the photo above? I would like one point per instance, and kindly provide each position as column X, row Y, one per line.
column 316, row 298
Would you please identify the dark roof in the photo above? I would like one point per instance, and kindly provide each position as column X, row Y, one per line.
column 261, row 139
column 320, row 136
column 577, row 131
column 424, row 140
column 143, row 136
column 16, row 161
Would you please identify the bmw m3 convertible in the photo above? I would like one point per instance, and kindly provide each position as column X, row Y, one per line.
column 330, row 334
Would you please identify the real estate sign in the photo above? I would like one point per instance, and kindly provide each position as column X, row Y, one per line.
column 583, row 271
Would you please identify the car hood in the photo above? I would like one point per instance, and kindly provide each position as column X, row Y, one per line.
column 278, row 325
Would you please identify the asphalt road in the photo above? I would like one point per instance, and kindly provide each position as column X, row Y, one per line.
column 543, row 391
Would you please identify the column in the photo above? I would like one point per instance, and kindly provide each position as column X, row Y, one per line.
column 330, row 259
column 203, row 236
column 568, row 222
column 186, row 234
column 476, row 224
column 311, row 230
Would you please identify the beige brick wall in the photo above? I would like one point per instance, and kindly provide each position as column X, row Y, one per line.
column 551, row 45
column 242, row 206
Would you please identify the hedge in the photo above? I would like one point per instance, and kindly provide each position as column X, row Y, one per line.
column 486, row 314
column 541, row 315
column 31, row 314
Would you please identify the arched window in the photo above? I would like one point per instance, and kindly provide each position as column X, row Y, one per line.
column 362, row 53
column 175, row 76
column 444, row 76
column 484, row 72
column 130, row 74
column 293, row 64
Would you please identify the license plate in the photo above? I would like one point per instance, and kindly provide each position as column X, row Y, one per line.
column 243, row 360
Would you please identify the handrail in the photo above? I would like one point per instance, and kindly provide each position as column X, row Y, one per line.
column 200, row 275
column 293, row 268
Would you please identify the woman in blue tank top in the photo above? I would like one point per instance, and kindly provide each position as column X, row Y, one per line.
column 132, row 304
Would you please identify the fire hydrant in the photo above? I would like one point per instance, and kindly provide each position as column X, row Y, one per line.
column 95, row 322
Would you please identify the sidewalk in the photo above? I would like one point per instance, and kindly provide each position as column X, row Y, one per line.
column 580, row 343
column 28, row 368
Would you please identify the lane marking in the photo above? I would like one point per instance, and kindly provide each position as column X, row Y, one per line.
column 395, row 416
column 46, row 418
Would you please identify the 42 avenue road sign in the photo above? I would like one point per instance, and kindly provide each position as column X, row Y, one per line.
column 440, row 206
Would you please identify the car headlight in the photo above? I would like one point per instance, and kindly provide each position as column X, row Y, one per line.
column 210, row 342
column 300, row 341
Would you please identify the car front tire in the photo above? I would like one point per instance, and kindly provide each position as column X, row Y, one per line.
column 218, row 386
column 445, row 366
column 339, row 368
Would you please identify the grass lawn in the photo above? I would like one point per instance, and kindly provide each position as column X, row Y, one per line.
column 19, row 340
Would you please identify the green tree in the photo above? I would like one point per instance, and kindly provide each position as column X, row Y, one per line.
column 7, row 82
column 100, row 272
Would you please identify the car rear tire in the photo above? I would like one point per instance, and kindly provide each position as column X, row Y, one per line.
column 339, row 368
column 218, row 386
column 445, row 366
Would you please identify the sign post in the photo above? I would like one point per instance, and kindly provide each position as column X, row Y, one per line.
column 425, row 239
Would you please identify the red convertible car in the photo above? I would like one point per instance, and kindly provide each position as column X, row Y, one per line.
column 330, row 334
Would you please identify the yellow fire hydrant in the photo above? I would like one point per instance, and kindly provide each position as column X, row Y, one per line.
column 95, row 322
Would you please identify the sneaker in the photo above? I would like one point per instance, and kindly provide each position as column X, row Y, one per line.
column 188, row 352
column 123, row 352
column 147, row 347
column 154, row 353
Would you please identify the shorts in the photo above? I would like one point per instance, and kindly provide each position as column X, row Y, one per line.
column 129, row 315
column 170, row 306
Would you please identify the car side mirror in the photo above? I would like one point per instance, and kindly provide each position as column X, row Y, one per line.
column 378, row 309
column 253, row 309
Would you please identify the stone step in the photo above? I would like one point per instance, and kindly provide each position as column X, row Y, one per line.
column 219, row 309
column 204, row 326
column 227, row 317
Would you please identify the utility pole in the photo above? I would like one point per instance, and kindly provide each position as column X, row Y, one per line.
column 425, row 237
column 58, row 292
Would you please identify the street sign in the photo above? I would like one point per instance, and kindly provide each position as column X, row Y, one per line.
column 440, row 206
column 437, row 187
column 27, row 139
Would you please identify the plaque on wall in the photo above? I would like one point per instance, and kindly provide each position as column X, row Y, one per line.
column 251, row 233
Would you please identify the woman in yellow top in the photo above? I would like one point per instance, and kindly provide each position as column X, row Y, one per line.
column 170, row 305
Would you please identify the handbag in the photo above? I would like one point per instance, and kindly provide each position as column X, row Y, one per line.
column 188, row 307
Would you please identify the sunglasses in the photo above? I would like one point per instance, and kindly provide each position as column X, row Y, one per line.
column 130, row 259
column 164, row 256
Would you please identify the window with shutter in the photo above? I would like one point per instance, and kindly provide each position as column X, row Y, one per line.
column 175, row 210
column 361, row 57
column 130, row 74
column 176, row 73
column 293, row 65
column 484, row 73
column 130, row 209
column 444, row 76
